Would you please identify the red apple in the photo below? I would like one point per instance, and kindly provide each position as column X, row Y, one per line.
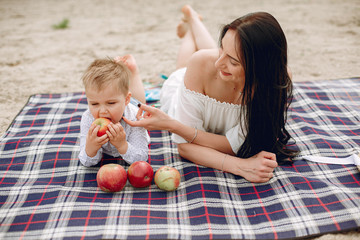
column 111, row 177
column 167, row 178
column 140, row 174
column 103, row 123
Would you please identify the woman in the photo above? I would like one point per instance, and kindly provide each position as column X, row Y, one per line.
column 227, row 108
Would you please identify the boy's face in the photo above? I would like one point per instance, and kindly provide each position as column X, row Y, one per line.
column 109, row 103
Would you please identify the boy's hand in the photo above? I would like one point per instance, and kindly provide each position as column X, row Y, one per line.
column 93, row 142
column 117, row 137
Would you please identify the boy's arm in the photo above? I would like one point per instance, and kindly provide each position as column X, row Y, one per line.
column 85, row 124
column 138, row 144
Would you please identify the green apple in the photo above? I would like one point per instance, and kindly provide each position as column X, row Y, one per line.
column 167, row 178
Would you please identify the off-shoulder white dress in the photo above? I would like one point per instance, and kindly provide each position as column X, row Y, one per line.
column 198, row 110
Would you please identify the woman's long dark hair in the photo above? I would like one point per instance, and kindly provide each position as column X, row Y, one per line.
column 267, row 92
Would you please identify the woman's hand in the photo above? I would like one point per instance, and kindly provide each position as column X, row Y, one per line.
column 258, row 168
column 151, row 118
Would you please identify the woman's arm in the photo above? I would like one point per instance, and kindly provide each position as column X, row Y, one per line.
column 154, row 119
column 258, row 168
column 202, row 138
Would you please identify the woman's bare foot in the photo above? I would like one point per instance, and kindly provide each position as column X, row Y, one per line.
column 183, row 26
column 189, row 13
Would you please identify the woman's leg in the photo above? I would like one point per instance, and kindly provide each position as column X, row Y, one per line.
column 136, row 86
column 194, row 36
column 201, row 35
column 187, row 45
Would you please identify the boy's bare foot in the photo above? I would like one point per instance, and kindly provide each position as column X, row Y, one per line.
column 129, row 61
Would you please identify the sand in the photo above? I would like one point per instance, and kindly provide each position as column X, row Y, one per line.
column 323, row 40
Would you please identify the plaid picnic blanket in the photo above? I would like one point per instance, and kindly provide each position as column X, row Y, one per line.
column 45, row 193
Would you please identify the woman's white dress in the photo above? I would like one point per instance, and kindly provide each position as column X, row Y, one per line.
column 200, row 111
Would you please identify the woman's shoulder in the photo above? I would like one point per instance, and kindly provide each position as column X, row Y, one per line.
column 200, row 69
column 204, row 57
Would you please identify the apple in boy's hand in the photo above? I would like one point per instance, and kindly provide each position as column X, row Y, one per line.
column 111, row 177
column 103, row 123
column 167, row 178
column 140, row 174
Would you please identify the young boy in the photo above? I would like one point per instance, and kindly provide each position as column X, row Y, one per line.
column 108, row 84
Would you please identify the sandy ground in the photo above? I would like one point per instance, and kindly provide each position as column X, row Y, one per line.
column 323, row 39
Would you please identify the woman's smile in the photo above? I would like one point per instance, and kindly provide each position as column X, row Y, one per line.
column 225, row 73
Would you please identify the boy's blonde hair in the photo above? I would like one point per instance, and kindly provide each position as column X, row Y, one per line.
column 103, row 72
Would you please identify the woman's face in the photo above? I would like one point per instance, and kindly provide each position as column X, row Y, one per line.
column 228, row 63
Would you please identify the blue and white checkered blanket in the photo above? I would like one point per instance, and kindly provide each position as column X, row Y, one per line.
column 45, row 193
